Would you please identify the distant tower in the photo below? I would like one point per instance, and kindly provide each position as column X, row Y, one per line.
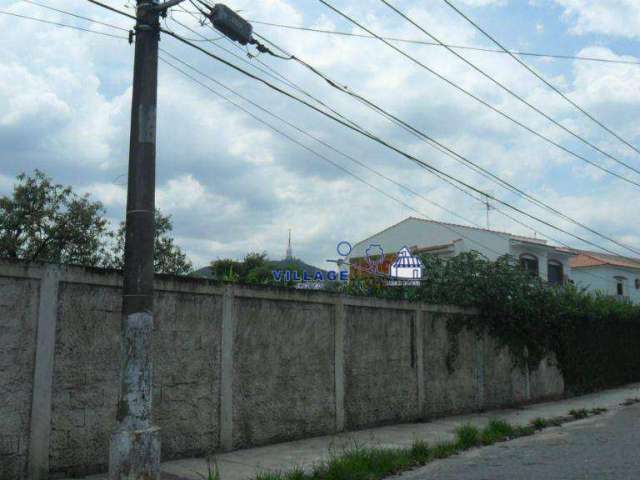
column 289, row 253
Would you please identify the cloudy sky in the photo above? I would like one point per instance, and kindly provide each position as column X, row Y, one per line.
column 233, row 185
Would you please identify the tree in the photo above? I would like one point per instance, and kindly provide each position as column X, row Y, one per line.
column 254, row 268
column 48, row 222
column 167, row 258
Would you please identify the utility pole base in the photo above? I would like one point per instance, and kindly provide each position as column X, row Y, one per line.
column 135, row 455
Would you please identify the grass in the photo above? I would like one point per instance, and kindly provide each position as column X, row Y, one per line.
column 467, row 436
column 366, row 463
column 213, row 473
column 579, row 413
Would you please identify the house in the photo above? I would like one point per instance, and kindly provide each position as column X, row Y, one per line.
column 609, row 274
column 551, row 263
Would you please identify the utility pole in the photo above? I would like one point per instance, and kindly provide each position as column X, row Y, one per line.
column 135, row 444
column 134, row 452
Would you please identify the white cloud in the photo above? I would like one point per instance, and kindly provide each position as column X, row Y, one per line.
column 609, row 17
column 483, row 3
column 110, row 194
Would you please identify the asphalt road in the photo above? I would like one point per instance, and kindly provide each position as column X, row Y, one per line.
column 599, row 448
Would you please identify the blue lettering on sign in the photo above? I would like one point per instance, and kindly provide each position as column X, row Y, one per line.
column 305, row 276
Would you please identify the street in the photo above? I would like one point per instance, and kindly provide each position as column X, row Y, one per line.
column 602, row 447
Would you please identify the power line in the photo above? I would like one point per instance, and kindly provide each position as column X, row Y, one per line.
column 536, row 74
column 266, row 69
column 295, row 86
column 459, row 47
column 316, row 139
column 76, row 15
column 449, row 227
column 88, row 19
column 447, row 150
column 362, row 164
column 323, row 157
column 377, row 139
column 495, row 109
column 64, row 25
column 391, row 118
column 115, row 10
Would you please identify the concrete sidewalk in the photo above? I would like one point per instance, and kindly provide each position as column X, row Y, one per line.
column 245, row 464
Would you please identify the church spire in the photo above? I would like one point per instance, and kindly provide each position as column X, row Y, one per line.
column 289, row 253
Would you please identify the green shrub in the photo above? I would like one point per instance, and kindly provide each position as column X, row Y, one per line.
column 467, row 436
column 444, row 450
column 496, row 431
column 578, row 414
column 420, row 452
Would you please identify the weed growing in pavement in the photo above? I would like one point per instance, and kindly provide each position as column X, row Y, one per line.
column 579, row 413
column 365, row 463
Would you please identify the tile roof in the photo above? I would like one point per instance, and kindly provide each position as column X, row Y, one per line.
column 592, row 259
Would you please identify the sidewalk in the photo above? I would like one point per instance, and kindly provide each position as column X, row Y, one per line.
column 245, row 464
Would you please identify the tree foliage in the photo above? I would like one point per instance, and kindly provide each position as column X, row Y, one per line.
column 48, row 222
column 167, row 256
column 255, row 268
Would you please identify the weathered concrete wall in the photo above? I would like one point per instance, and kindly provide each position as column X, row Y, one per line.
column 452, row 368
column 233, row 366
column 380, row 371
column 276, row 344
column 18, row 321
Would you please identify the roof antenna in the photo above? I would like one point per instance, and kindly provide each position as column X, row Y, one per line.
column 489, row 208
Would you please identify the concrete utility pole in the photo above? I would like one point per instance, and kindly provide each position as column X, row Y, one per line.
column 135, row 444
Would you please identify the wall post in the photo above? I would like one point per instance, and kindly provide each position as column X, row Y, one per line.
column 38, row 466
column 226, row 369
column 419, row 349
column 339, row 321
column 480, row 370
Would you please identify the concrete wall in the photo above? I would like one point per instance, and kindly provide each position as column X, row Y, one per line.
column 233, row 366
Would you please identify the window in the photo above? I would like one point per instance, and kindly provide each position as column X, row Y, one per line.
column 529, row 263
column 620, row 286
column 555, row 273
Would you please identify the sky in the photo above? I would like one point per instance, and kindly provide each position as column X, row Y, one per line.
column 232, row 185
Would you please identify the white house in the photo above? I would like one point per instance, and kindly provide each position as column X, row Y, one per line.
column 446, row 239
column 609, row 274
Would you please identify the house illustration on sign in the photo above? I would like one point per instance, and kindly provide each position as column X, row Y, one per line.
column 406, row 266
